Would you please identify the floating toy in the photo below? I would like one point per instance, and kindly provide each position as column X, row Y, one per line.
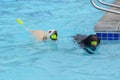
column 94, row 43
column 20, row 21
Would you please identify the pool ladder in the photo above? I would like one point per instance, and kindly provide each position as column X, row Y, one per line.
column 107, row 4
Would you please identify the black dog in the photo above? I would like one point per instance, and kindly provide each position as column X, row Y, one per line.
column 88, row 43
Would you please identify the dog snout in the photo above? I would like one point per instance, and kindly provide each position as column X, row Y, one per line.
column 55, row 32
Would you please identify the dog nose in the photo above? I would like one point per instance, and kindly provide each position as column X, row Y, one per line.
column 55, row 31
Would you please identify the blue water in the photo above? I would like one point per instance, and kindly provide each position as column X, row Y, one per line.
column 22, row 58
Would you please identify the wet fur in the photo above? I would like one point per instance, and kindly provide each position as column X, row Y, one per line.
column 38, row 34
column 85, row 42
column 41, row 35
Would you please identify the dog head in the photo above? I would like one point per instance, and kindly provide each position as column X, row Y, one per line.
column 92, row 41
column 52, row 34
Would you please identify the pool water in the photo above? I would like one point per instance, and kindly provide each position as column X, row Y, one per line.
column 23, row 58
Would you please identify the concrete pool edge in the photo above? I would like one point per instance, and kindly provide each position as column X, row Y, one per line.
column 109, row 25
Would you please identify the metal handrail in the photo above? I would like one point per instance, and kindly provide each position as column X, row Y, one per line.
column 104, row 9
column 108, row 4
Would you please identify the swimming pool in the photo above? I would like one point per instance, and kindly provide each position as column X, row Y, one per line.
column 22, row 58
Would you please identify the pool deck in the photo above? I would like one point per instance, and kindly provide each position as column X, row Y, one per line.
column 110, row 22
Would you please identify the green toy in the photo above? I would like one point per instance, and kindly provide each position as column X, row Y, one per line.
column 94, row 43
column 20, row 21
column 53, row 36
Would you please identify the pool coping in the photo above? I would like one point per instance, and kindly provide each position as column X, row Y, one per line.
column 108, row 27
column 110, row 22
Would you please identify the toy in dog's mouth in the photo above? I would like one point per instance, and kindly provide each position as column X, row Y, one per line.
column 94, row 43
column 52, row 34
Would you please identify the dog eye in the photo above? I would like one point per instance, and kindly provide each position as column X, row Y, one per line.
column 50, row 31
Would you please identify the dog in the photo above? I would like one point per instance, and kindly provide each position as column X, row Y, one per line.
column 41, row 35
column 88, row 43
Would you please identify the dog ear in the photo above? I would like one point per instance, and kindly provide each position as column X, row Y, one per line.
column 49, row 31
column 88, row 40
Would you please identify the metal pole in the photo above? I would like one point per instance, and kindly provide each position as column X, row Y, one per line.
column 108, row 4
column 104, row 9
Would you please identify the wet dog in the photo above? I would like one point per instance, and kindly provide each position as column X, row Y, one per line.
column 88, row 43
column 41, row 35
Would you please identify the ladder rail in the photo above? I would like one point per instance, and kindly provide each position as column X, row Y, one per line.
column 104, row 9
column 108, row 4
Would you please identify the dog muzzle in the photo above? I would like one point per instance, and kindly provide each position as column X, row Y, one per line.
column 52, row 34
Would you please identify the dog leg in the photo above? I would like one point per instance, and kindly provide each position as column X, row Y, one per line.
column 88, row 51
